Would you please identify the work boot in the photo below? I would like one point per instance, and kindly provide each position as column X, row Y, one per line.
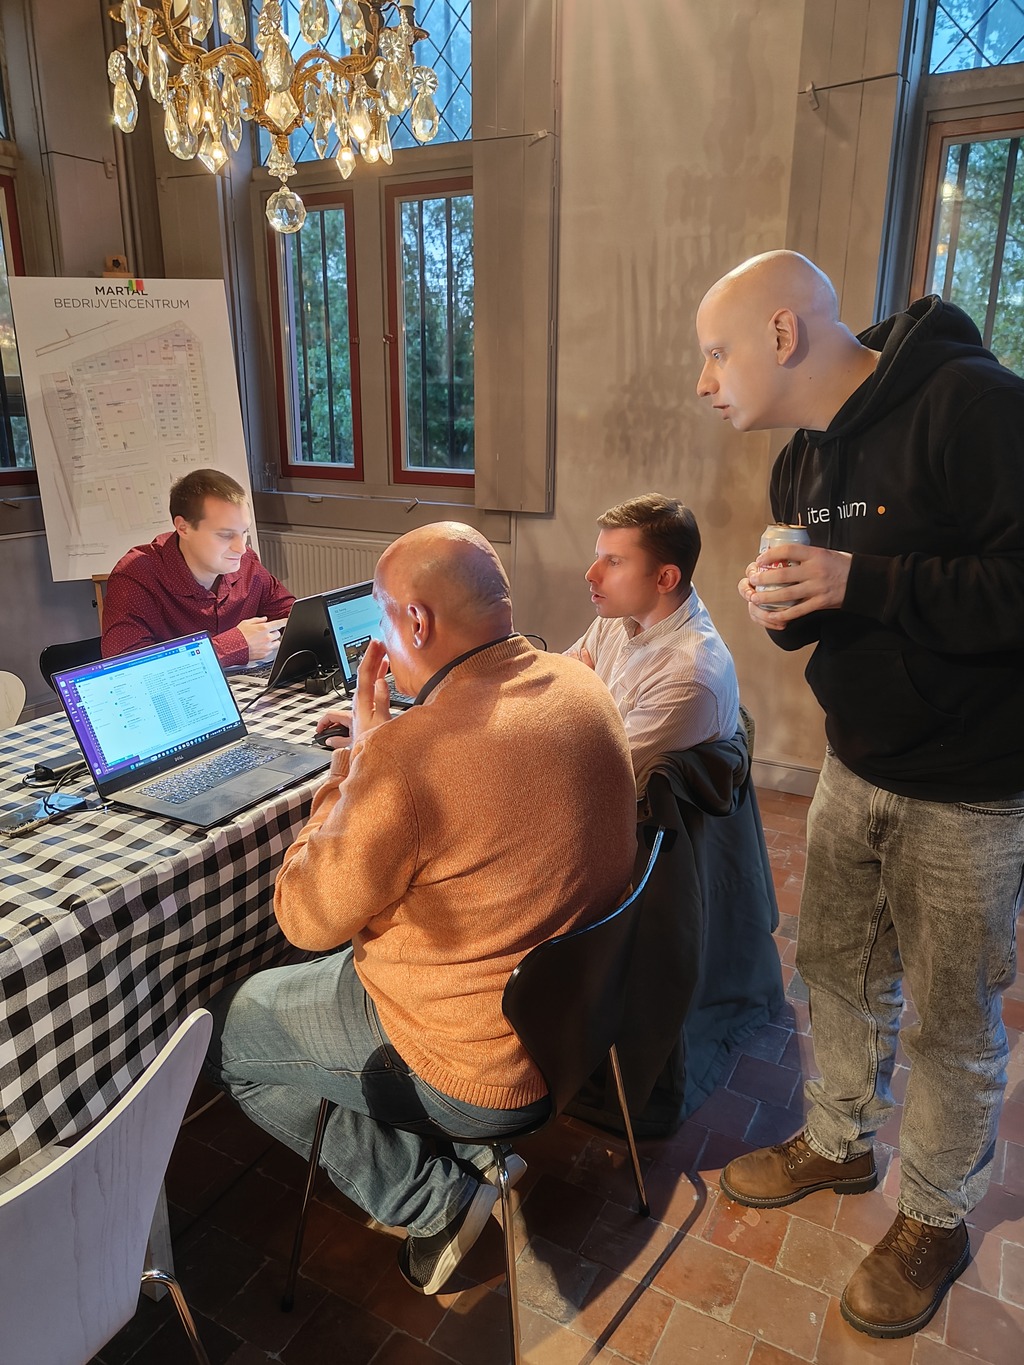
column 898, row 1286
column 773, row 1176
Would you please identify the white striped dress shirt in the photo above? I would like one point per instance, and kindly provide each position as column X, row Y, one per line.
column 674, row 683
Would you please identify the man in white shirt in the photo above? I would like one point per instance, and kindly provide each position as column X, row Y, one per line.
column 653, row 644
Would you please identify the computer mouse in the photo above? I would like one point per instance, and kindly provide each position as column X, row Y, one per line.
column 331, row 732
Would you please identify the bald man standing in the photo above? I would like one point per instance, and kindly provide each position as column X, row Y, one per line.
column 446, row 843
column 907, row 469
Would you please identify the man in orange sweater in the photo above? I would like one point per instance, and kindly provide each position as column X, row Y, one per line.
column 446, row 843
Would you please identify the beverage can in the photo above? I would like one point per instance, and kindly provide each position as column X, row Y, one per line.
column 779, row 534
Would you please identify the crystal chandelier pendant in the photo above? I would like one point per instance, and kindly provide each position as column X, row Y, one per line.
column 345, row 160
column 281, row 109
column 187, row 144
column 172, row 129
column 424, row 118
column 278, row 62
column 212, row 152
column 126, row 109
column 313, row 20
column 200, row 18
column 285, row 211
column 231, row 14
column 157, row 71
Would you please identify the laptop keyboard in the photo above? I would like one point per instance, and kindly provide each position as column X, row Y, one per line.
column 211, row 772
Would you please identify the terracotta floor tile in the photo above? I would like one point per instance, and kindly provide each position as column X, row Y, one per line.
column 703, row 1276
column 680, row 1151
column 821, row 1208
column 1012, row 1279
column 780, row 1311
column 799, row 1056
column 212, row 1268
column 841, row 1345
column 547, row 1343
column 1013, row 1012
column 718, row 1151
column 255, row 1312
column 676, row 1200
column 631, row 1325
column 756, row 1234
column 763, row 1080
column 197, row 1176
column 817, row 1257
column 169, row 1346
column 393, row 1301
column 350, row 1261
column 864, row 1217
column 772, row 1124
column 474, row 1331
column 985, row 1327
column 1001, row 1211
column 766, row 1354
column 1013, row 1166
column 930, row 1352
column 768, row 1043
column 337, row 1326
column 552, row 1281
column 560, row 1211
column 725, row 1112
column 690, row 1338
column 606, row 1170
column 403, row 1350
column 249, row 1355
column 986, row 1265
column 1011, row 1121
column 627, row 1243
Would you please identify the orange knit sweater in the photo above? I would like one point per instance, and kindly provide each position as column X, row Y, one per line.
column 452, row 840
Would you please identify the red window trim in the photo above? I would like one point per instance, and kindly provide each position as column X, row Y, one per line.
column 419, row 189
column 16, row 266
column 306, row 469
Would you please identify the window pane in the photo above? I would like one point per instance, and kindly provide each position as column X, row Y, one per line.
column 318, row 302
column 436, row 293
column 976, row 33
column 977, row 257
column 15, row 451
column 447, row 50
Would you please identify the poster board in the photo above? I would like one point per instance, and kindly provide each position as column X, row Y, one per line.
column 129, row 384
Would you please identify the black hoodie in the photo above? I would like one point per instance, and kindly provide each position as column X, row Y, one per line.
column 920, row 476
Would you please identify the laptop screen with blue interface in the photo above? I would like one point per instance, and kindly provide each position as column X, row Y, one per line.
column 137, row 709
column 355, row 620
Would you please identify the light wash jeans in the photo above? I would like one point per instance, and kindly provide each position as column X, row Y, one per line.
column 291, row 1036
column 929, row 890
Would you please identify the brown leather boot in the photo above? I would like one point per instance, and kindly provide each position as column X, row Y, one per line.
column 898, row 1286
column 773, row 1176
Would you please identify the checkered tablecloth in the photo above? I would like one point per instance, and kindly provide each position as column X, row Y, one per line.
column 114, row 925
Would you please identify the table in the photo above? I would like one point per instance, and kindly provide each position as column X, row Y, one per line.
column 115, row 925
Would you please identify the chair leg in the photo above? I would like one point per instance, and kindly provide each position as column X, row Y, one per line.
column 641, row 1193
column 288, row 1297
column 508, row 1228
column 174, row 1289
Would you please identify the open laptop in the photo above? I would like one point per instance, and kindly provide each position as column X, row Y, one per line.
column 161, row 733
column 305, row 647
column 354, row 620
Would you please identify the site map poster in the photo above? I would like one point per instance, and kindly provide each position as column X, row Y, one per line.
column 128, row 384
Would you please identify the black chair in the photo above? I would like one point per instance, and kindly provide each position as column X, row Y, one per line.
column 54, row 658
column 565, row 1002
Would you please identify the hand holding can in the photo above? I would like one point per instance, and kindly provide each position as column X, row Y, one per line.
column 778, row 534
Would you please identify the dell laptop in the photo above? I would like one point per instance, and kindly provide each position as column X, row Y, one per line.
column 161, row 733
column 354, row 620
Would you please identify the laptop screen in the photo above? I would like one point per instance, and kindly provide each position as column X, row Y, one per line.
column 354, row 619
column 148, row 707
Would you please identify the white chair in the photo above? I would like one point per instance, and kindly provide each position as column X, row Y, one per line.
column 74, row 1233
column 12, row 699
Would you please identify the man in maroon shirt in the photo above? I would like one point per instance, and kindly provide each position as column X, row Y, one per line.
column 200, row 576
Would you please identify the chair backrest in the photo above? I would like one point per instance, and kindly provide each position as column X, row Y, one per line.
column 12, row 699
column 70, row 655
column 99, row 583
column 74, row 1234
column 565, row 999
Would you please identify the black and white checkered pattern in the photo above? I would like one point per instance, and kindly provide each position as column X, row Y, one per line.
column 114, row 925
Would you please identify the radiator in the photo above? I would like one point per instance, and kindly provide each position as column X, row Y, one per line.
column 308, row 564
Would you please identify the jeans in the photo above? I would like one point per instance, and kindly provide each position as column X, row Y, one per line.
column 289, row 1037
column 930, row 890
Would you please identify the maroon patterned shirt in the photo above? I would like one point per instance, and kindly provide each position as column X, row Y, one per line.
column 152, row 595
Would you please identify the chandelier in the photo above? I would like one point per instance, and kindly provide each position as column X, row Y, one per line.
column 208, row 92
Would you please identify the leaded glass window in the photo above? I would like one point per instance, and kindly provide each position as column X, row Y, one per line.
column 968, row 34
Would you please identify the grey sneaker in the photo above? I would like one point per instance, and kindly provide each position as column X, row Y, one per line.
column 428, row 1262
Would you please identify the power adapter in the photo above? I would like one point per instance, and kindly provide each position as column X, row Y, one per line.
column 319, row 684
column 53, row 769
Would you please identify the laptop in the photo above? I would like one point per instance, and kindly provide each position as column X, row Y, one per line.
column 354, row 620
column 161, row 733
column 305, row 647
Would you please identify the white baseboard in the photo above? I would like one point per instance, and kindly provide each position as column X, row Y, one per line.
column 783, row 777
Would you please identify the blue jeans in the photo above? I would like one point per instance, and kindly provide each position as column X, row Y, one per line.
column 929, row 890
column 289, row 1037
